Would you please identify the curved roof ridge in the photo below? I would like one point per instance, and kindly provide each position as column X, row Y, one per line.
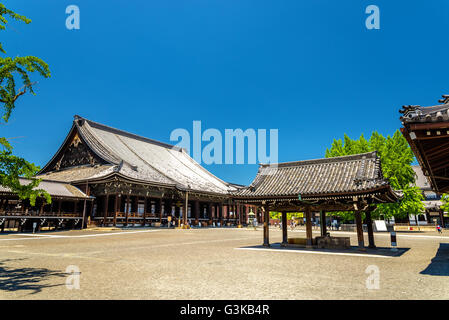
column 352, row 157
column 126, row 133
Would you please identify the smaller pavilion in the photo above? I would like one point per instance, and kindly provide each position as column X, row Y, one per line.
column 349, row 183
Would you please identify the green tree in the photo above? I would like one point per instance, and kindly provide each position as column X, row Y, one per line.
column 396, row 158
column 15, row 72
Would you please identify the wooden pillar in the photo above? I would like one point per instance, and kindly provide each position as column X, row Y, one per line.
column 358, row 221
column 161, row 213
column 309, row 241
column 209, row 211
column 186, row 208
column 197, row 211
column 441, row 219
column 145, row 206
column 323, row 223
column 128, row 205
column 237, row 211
column 284, row 229
column 106, row 202
column 116, row 204
column 266, row 223
column 59, row 207
column 369, row 224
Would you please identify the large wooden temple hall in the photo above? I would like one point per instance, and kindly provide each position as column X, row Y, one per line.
column 139, row 181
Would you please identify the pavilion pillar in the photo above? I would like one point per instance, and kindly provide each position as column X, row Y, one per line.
column 441, row 218
column 59, row 207
column 323, row 223
column 284, row 229
column 369, row 224
column 106, row 202
column 309, row 241
column 358, row 221
column 266, row 224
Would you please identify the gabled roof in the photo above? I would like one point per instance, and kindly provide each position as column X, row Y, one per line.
column 137, row 158
column 54, row 188
column 339, row 177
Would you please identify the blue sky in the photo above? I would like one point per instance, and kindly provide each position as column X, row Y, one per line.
column 310, row 69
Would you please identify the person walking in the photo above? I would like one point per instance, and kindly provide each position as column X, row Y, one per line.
column 439, row 229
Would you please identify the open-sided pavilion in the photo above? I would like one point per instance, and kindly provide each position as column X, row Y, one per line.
column 349, row 183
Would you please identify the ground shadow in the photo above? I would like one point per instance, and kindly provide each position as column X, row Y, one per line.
column 439, row 266
column 26, row 279
column 379, row 251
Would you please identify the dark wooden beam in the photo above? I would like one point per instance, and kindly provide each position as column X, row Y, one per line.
column 266, row 224
column 359, row 225
column 284, row 229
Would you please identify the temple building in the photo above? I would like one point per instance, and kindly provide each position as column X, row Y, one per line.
column 349, row 183
column 427, row 131
column 139, row 181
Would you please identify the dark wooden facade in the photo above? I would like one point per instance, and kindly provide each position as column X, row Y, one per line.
column 427, row 131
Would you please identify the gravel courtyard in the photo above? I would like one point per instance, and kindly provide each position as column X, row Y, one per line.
column 214, row 264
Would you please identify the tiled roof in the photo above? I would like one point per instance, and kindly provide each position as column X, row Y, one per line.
column 348, row 175
column 139, row 158
column 417, row 114
column 54, row 188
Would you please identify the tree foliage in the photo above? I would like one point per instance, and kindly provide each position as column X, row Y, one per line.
column 396, row 158
column 16, row 72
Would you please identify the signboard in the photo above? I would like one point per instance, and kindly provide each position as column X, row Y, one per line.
column 380, row 225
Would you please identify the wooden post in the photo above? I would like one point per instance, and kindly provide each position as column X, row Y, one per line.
column 237, row 209
column 161, row 213
column 369, row 224
column 145, row 205
column 197, row 211
column 209, row 211
column 59, row 207
column 323, row 223
column 186, row 208
column 358, row 221
column 266, row 223
column 309, row 236
column 128, row 205
column 106, row 203
column 284, row 229
column 84, row 214
column 115, row 208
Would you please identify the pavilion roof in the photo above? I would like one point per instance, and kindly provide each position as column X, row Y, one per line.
column 337, row 177
column 54, row 188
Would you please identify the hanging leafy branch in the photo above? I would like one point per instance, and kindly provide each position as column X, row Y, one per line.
column 15, row 72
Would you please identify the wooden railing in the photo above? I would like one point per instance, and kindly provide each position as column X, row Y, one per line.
column 38, row 214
